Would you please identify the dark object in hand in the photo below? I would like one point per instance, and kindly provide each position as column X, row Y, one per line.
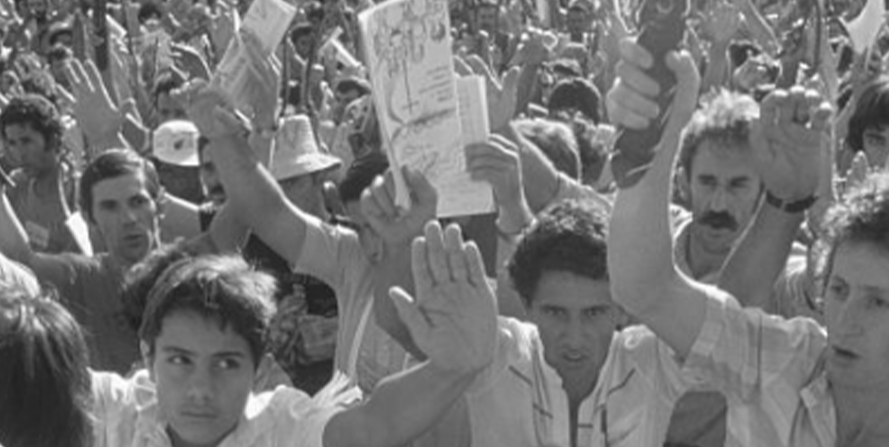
column 662, row 30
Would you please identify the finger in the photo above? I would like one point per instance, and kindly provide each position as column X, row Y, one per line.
column 422, row 191
column 475, row 266
column 635, row 54
column 423, row 280
column 503, row 143
column 629, row 109
column 798, row 106
column 768, row 109
column 435, row 253
column 453, row 241
column 384, row 202
column 634, row 77
column 409, row 313
column 95, row 79
column 461, row 67
column 821, row 118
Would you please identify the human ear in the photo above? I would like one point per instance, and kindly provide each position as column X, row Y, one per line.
column 147, row 359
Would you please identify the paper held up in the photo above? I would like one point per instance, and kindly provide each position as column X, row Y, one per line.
column 267, row 21
column 407, row 45
column 863, row 30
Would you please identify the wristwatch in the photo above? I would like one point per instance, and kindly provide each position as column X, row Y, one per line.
column 791, row 207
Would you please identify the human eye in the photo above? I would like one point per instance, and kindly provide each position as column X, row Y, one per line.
column 178, row 360
column 838, row 289
column 879, row 302
column 228, row 364
column 139, row 201
column 553, row 312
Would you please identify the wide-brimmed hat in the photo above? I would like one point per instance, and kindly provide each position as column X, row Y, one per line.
column 296, row 153
column 176, row 143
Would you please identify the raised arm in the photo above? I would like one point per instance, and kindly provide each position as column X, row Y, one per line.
column 787, row 149
column 454, row 321
column 644, row 279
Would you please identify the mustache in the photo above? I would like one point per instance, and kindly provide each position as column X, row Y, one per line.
column 719, row 220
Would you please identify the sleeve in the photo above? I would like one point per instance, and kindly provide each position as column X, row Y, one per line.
column 511, row 340
column 326, row 253
column 113, row 408
column 791, row 291
column 306, row 418
column 637, row 347
column 742, row 351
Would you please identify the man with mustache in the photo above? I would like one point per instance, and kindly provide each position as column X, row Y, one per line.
column 717, row 179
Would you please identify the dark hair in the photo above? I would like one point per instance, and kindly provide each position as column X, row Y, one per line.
column 300, row 31
column 223, row 288
column 165, row 82
column 59, row 53
column 861, row 217
column 577, row 94
column 591, row 148
column 140, row 278
column 39, row 113
column 723, row 118
column 45, row 386
column 570, row 237
column 556, row 141
column 112, row 164
column 357, row 84
column 147, row 11
column 871, row 111
column 360, row 175
column 741, row 50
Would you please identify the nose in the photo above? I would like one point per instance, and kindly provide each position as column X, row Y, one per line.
column 718, row 200
column 849, row 320
column 200, row 386
column 574, row 334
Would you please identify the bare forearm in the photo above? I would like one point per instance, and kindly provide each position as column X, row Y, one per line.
column 395, row 270
column 13, row 238
column 750, row 271
column 401, row 408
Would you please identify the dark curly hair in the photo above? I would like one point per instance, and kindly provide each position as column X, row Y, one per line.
column 570, row 237
column 39, row 113
column 871, row 112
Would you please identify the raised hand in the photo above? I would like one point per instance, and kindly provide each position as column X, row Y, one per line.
column 222, row 28
column 786, row 142
column 189, row 60
column 501, row 93
column 397, row 226
column 453, row 318
column 98, row 116
column 496, row 161
column 722, row 22
column 267, row 76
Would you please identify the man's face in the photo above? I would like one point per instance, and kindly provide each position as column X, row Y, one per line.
column 724, row 189
column 169, row 109
column 306, row 192
column 576, row 320
column 126, row 216
column 28, row 149
column 213, row 189
column 204, row 373
column 303, row 46
column 576, row 22
column 856, row 311
column 876, row 145
column 486, row 19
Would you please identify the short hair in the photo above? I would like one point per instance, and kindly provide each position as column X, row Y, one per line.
column 862, row 217
column 223, row 288
column 591, row 148
column 112, row 164
column 569, row 237
column 39, row 113
column 723, row 118
column 147, row 11
column 353, row 83
column 360, row 175
column 578, row 94
column 556, row 140
column 166, row 82
column 141, row 278
column 300, row 31
column 59, row 53
column 43, row 375
column 871, row 111
column 741, row 50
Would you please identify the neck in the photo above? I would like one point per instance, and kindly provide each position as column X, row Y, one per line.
column 861, row 416
column 701, row 261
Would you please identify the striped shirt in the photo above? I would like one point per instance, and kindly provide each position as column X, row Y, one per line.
column 519, row 401
column 771, row 370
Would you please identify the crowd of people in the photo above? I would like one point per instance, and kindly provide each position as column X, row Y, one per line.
column 180, row 270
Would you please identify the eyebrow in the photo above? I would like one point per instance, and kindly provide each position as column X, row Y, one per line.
column 179, row 350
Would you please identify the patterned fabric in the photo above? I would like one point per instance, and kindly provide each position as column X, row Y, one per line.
column 519, row 401
column 772, row 373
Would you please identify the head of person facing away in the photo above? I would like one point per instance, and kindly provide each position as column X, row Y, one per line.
column 121, row 195
column 45, row 388
column 203, row 342
column 856, row 287
column 560, row 271
column 717, row 176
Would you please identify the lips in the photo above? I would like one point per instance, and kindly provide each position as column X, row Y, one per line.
column 201, row 415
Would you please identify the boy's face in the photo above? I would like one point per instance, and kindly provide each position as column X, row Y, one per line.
column 204, row 373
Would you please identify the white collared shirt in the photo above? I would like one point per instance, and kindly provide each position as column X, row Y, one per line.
column 126, row 414
column 520, row 402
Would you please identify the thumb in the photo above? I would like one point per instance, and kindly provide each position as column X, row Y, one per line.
column 409, row 313
column 688, row 84
column 421, row 188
